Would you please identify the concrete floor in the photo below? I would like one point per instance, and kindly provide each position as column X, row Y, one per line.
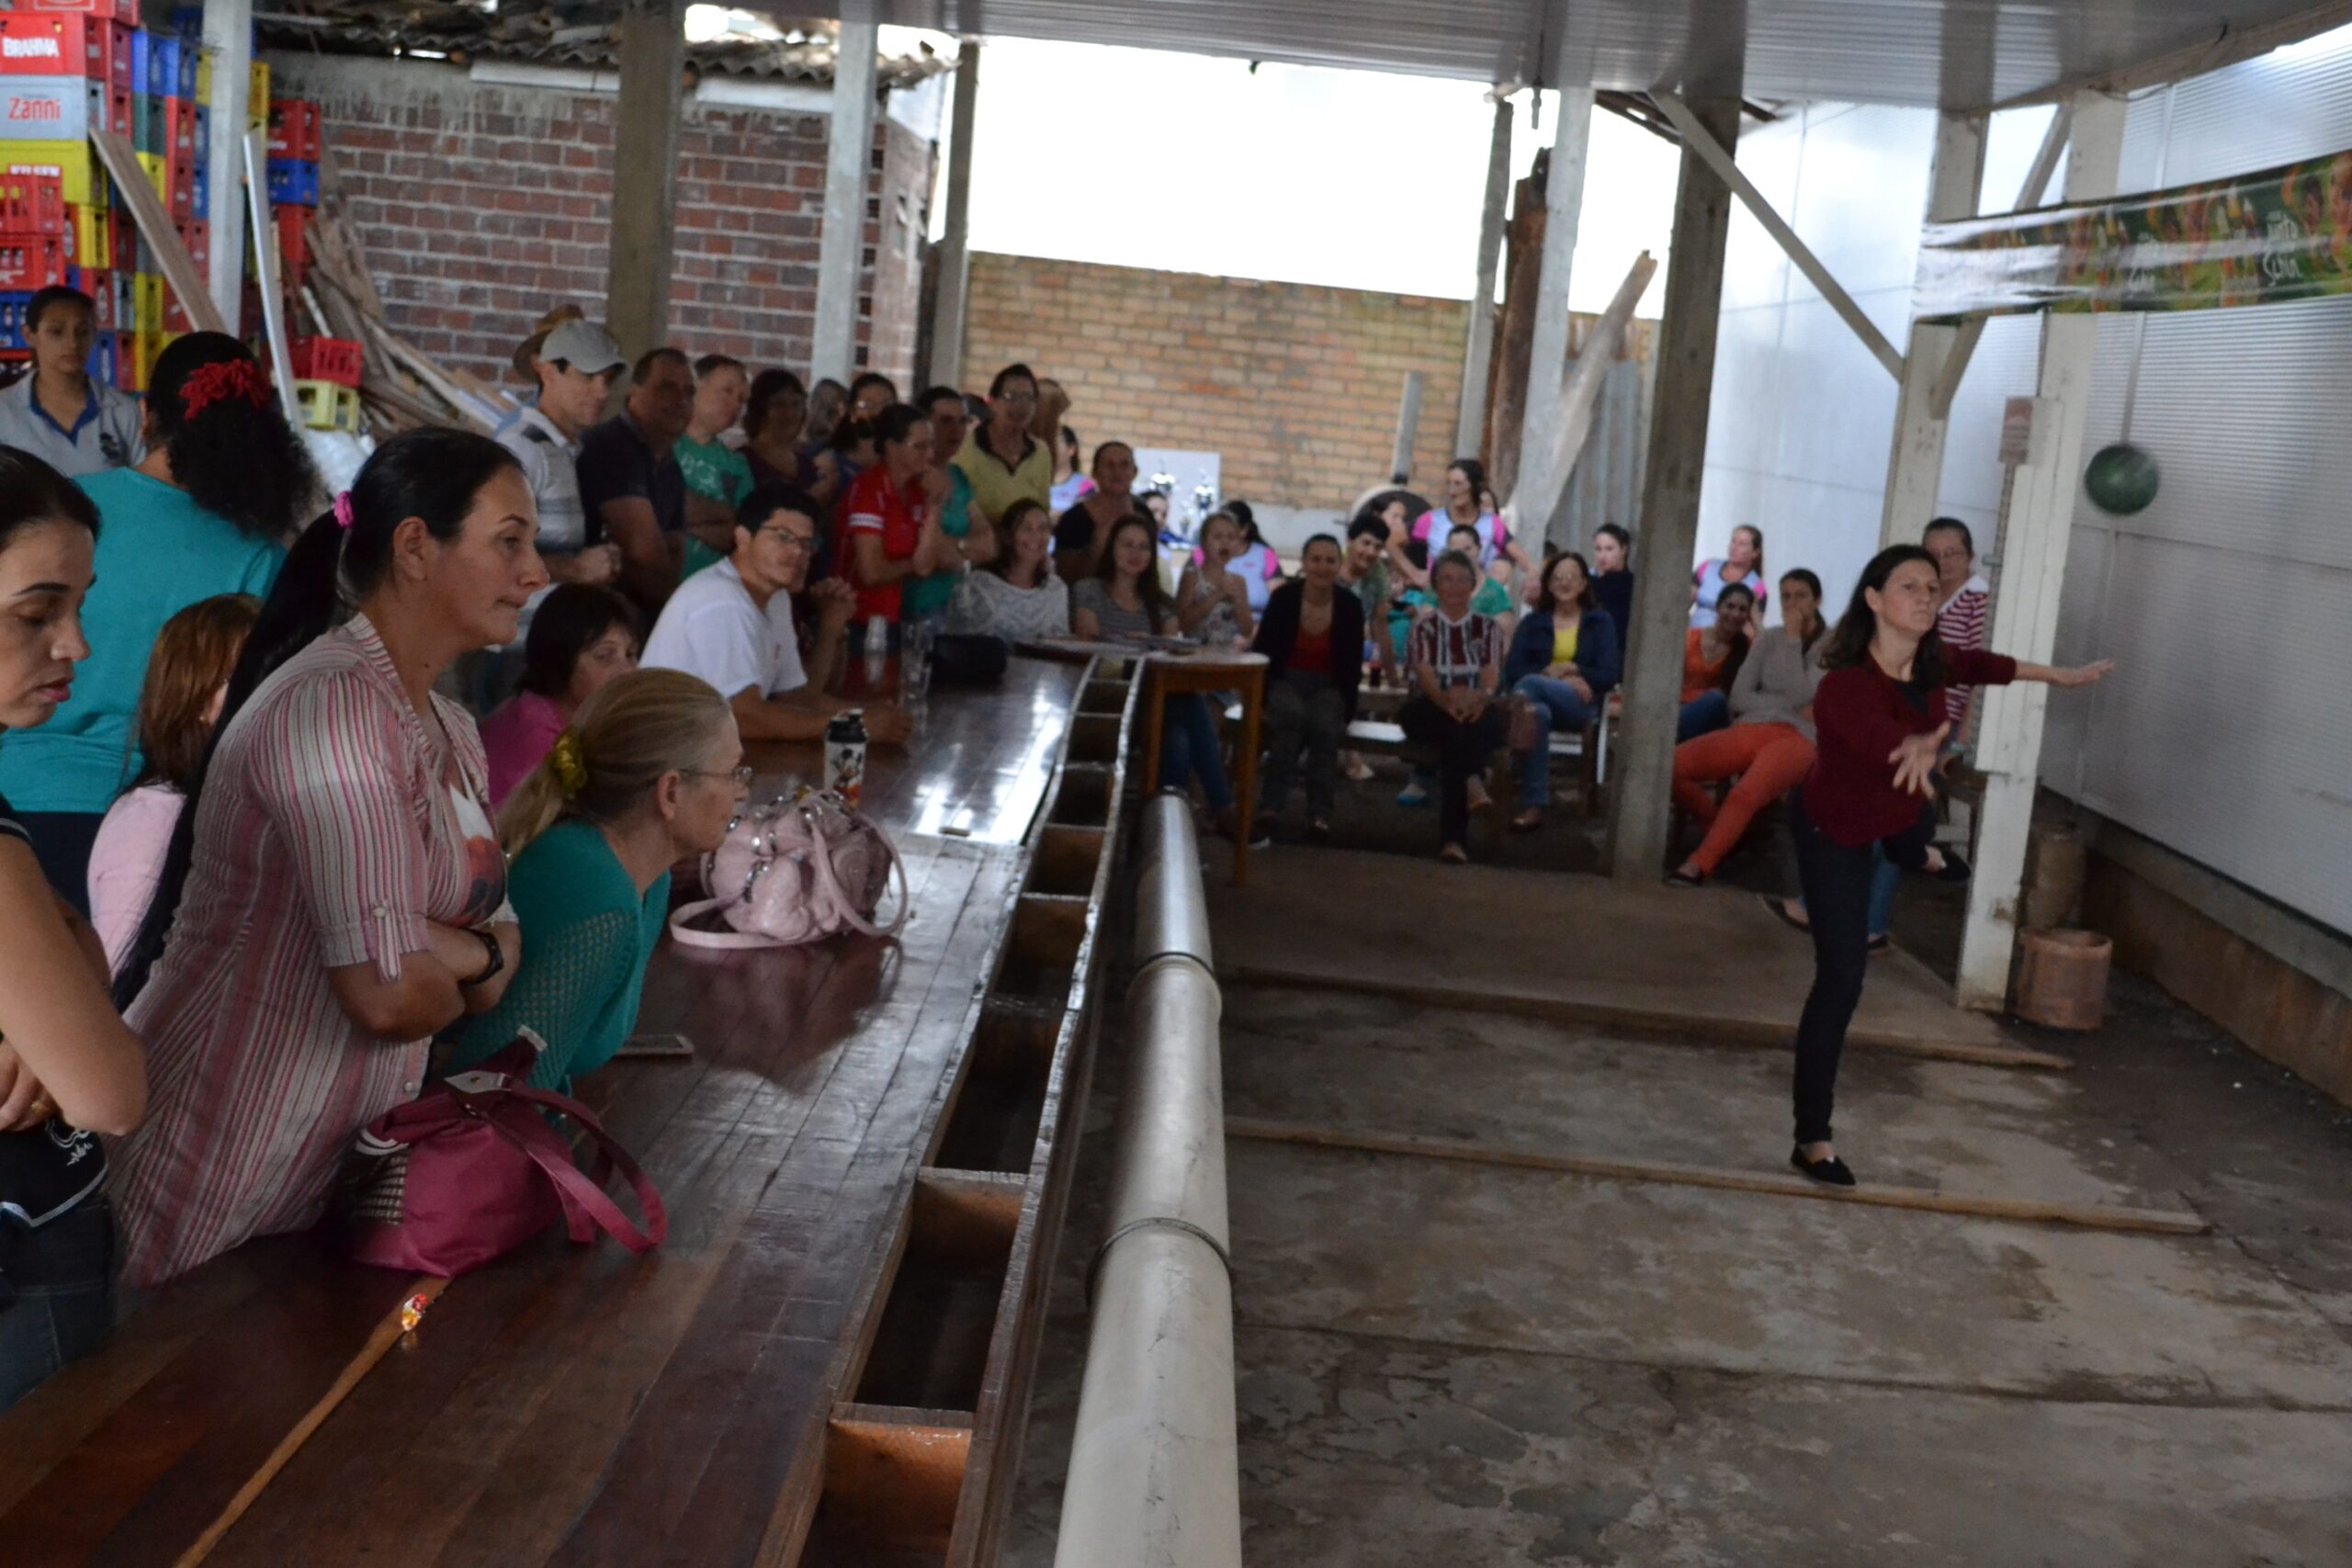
column 1473, row 1363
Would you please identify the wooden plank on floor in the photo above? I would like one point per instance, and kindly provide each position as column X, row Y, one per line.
column 1645, row 1023
column 2088, row 1216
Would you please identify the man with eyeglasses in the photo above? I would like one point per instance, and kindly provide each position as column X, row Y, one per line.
column 732, row 626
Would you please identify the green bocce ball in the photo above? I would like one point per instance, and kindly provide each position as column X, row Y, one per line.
column 2123, row 478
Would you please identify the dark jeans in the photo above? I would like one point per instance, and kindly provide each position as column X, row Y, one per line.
column 1837, row 882
column 1188, row 750
column 1303, row 712
column 1462, row 751
column 1703, row 715
column 56, row 1294
column 61, row 841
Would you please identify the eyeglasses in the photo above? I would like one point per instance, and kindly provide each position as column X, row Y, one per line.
column 801, row 541
column 742, row 775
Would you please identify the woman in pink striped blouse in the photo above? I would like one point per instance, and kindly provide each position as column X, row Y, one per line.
column 344, row 896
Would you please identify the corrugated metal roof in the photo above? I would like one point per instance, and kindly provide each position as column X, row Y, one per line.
column 552, row 35
column 1959, row 53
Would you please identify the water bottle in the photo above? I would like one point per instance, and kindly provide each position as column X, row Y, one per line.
column 846, row 755
column 877, row 651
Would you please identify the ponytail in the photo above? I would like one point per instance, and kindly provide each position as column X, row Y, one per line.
column 637, row 728
column 430, row 474
column 230, row 446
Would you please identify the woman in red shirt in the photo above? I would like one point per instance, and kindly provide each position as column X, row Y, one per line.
column 1881, row 721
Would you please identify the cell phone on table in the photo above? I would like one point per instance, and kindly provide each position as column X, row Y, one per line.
column 657, row 1047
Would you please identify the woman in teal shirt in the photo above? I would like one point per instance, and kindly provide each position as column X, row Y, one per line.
column 206, row 512
column 650, row 774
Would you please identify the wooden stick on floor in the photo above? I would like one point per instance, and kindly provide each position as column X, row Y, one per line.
column 2088, row 1216
column 1665, row 1024
column 387, row 1334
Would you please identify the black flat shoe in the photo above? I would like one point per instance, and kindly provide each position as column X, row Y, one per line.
column 1955, row 869
column 1877, row 945
column 1780, row 908
column 1678, row 877
column 1830, row 1172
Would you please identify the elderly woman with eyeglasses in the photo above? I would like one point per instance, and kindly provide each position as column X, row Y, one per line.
column 648, row 773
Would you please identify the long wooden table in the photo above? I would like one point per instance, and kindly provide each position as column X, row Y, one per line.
column 862, row 1161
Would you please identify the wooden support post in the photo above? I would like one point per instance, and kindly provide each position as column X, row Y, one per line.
column 954, row 257
column 1963, row 348
column 1479, row 348
column 1408, row 424
column 653, row 66
column 1547, row 358
column 229, row 39
column 841, row 247
column 2033, row 572
column 1669, row 537
column 1916, row 469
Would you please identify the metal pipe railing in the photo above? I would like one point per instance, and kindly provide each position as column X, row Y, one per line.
column 1154, row 1477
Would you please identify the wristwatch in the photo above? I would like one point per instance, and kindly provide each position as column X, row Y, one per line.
column 497, row 959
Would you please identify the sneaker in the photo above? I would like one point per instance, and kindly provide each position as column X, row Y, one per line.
column 1262, row 831
column 1319, row 831
column 1415, row 793
column 1353, row 768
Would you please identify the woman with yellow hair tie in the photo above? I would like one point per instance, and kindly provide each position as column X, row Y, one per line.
column 647, row 773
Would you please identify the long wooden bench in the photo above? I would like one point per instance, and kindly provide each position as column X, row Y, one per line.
column 1589, row 747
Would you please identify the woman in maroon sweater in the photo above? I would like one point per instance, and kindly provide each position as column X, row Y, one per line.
column 1880, row 721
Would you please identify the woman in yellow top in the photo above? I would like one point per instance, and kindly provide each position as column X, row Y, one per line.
column 1004, row 461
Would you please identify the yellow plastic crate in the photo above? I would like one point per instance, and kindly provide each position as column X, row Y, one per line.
column 147, row 302
column 158, row 174
column 84, row 178
column 204, row 77
column 257, row 102
column 148, row 346
column 93, row 237
column 328, row 405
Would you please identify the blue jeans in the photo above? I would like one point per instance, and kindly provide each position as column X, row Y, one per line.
column 56, row 1294
column 1557, row 705
column 1189, row 752
column 1703, row 715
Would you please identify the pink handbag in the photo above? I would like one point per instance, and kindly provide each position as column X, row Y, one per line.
column 472, row 1170
column 796, row 871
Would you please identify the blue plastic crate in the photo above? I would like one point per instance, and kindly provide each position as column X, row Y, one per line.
column 203, row 208
column 294, row 182
column 12, row 319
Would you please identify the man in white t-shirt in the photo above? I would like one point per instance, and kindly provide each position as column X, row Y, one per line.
column 733, row 627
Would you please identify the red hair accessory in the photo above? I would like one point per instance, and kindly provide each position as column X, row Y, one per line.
column 207, row 384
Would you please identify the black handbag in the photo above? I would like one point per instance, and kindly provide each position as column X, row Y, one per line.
column 963, row 658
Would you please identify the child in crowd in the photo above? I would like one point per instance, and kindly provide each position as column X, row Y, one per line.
column 580, row 639
column 188, row 678
column 1213, row 599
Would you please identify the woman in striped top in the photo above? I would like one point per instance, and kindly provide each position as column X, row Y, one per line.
column 345, row 897
column 1456, row 657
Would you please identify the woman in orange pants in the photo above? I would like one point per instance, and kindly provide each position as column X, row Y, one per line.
column 1769, row 748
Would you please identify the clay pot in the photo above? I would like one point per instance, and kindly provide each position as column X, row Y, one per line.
column 2061, row 984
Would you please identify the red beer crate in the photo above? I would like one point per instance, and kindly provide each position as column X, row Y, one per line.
column 125, row 11
column 33, row 204
column 67, row 45
column 32, row 261
column 335, row 359
column 294, row 129
column 293, row 244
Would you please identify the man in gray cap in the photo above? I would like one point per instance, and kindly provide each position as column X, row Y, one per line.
column 575, row 361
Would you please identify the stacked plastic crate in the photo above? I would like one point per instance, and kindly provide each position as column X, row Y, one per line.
column 65, row 70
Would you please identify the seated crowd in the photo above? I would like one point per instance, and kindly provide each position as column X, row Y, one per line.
column 242, row 715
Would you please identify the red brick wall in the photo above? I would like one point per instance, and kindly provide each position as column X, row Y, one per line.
column 1295, row 386
column 482, row 207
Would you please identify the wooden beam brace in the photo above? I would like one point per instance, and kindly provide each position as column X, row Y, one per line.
column 1479, row 348
column 1712, row 152
column 840, row 243
column 644, row 208
column 147, row 209
column 2030, row 1211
